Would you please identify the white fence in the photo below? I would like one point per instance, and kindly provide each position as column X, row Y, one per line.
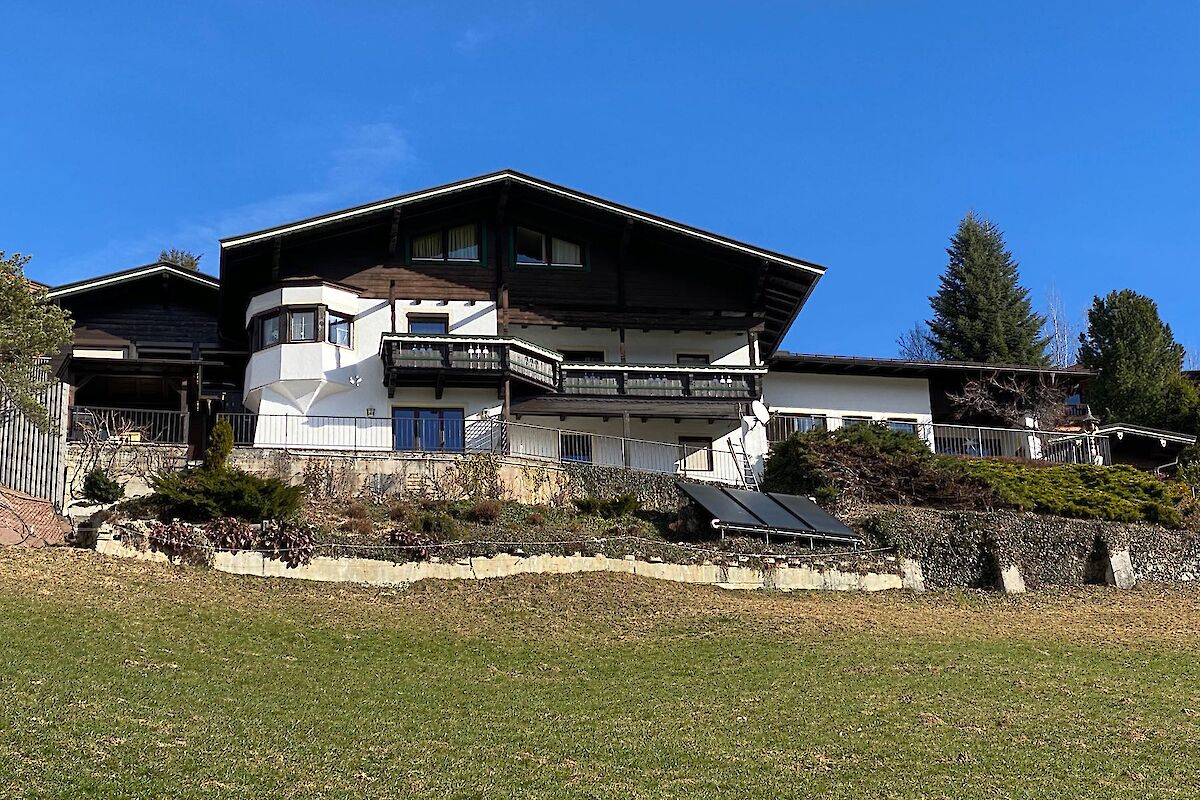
column 695, row 459
column 1060, row 447
column 32, row 460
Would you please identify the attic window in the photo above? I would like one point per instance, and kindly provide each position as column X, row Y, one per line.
column 534, row 247
column 460, row 243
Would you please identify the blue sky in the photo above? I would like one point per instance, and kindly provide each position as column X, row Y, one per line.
column 853, row 134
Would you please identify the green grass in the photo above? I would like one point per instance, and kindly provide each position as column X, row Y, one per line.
column 120, row 679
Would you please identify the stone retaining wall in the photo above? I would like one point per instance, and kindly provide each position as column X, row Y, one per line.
column 781, row 576
column 1014, row 550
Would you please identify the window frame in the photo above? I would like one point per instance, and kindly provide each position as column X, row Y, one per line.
column 707, row 450
column 548, row 251
column 913, row 425
column 284, row 315
column 443, row 318
column 316, row 324
column 348, row 319
column 416, row 434
column 707, row 362
column 444, row 232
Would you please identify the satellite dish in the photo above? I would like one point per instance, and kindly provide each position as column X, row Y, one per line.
column 759, row 409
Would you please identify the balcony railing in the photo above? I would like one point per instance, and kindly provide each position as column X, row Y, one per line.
column 467, row 356
column 665, row 381
column 440, row 436
column 129, row 425
column 973, row 441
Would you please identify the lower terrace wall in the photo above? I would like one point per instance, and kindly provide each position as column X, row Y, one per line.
column 454, row 477
column 974, row 549
column 869, row 574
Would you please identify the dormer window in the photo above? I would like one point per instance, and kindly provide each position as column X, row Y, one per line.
column 536, row 248
column 460, row 243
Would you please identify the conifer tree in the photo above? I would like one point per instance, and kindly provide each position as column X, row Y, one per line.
column 1139, row 363
column 981, row 312
column 33, row 329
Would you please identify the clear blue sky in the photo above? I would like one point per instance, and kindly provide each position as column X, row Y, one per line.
column 849, row 133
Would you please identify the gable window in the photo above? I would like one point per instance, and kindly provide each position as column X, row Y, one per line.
column 697, row 453
column 698, row 359
column 534, row 247
column 337, row 329
column 302, row 325
column 437, row 325
column 460, row 243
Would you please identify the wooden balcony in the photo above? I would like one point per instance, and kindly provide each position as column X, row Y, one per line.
column 666, row 381
column 465, row 361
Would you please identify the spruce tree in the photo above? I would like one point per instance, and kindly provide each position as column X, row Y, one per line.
column 1139, row 365
column 981, row 312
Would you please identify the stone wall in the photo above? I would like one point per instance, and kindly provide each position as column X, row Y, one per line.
column 454, row 477
column 783, row 576
column 130, row 463
column 974, row 549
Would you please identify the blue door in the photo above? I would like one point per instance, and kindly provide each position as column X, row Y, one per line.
column 428, row 429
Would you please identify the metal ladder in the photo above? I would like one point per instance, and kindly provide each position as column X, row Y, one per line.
column 749, row 479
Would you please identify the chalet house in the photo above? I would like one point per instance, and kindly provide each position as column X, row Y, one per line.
column 593, row 331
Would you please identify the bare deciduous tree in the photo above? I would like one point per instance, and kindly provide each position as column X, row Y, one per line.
column 1011, row 398
column 914, row 344
column 1061, row 331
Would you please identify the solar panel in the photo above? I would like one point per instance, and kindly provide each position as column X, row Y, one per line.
column 713, row 500
column 770, row 513
column 813, row 515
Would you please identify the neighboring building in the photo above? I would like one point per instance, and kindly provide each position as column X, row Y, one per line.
column 807, row 392
column 146, row 354
column 417, row 322
column 1146, row 448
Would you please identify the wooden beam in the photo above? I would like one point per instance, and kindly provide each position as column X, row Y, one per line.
column 392, row 302
column 394, row 237
column 275, row 253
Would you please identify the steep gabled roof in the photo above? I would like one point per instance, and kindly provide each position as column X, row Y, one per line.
column 131, row 274
column 535, row 183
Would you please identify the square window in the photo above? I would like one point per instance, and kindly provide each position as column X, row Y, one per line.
column 428, row 246
column 269, row 331
column 566, row 253
column 337, row 329
column 903, row 425
column 464, row 243
column 530, row 247
column 583, row 356
column 302, row 326
column 697, row 453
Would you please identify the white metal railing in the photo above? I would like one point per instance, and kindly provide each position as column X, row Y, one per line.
column 975, row 441
column 695, row 459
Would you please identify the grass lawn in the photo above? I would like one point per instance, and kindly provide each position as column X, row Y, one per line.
column 122, row 679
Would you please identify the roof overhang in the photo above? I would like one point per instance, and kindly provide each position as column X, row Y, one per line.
column 136, row 273
column 854, row 365
column 519, row 178
column 1122, row 429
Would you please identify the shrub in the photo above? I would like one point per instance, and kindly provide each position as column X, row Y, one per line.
column 418, row 544
column 357, row 511
column 610, row 508
column 358, row 525
column 220, row 446
column 204, row 494
column 289, row 542
column 437, row 523
column 485, row 511
column 399, row 513
column 535, row 519
column 98, row 487
column 1119, row 493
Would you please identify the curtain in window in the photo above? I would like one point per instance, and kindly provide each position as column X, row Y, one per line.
column 427, row 246
column 464, row 244
column 566, row 253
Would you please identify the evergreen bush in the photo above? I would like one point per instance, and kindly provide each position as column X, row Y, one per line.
column 203, row 494
column 99, row 487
